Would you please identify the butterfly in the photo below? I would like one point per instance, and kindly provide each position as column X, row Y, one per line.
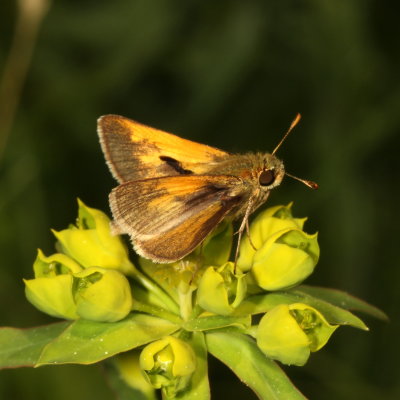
column 173, row 192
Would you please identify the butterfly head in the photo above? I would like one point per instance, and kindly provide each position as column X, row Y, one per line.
column 272, row 172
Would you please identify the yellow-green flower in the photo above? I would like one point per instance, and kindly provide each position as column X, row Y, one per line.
column 102, row 295
column 284, row 255
column 51, row 290
column 267, row 223
column 285, row 259
column 91, row 243
column 220, row 290
column 63, row 289
column 288, row 333
column 168, row 363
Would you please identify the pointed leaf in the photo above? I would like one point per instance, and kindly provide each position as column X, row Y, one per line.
column 216, row 321
column 261, row 303
column 22, row 347
column 86, row 342
column 343, row 300
column 241, row 354
column 335, row 315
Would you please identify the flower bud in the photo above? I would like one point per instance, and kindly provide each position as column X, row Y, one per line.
column 288, row 333
column 91, row 243
column 168, row 363
column 266, row 224
column 102, row 295
column 285, row 259
column 220, row 291
column 51, row 290
column 56, row 264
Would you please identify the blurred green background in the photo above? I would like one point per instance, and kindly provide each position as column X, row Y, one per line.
column 231, row 74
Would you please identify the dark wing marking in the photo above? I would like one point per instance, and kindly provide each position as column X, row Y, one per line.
column 134, row 151
column 176, row 165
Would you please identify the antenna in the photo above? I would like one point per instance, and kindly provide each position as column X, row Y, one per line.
column 292, row 125
column 310, row 184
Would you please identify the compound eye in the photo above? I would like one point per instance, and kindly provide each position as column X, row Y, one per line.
column 266, row 177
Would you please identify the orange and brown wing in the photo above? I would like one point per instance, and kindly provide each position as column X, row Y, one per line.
column 168, row 217
column 134, row 151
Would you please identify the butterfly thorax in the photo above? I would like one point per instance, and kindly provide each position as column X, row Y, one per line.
column 258, row 174
column 249, row 167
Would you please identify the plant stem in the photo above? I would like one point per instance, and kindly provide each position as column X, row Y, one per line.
column 141, row 278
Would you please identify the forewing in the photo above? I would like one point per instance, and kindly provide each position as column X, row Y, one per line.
column 134, row 151
column 168, row 217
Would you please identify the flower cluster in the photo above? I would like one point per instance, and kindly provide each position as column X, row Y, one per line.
column 207, row 302
column 86, row 279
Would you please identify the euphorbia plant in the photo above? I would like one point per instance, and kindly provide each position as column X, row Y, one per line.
column 156, row 323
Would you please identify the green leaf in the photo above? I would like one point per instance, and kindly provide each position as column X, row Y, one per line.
column 334, row 315
column 261, row 303
column 199, row 388
column 215, row 322
column 22, row 347
column 156, row 312
column 343, row 300
column 87, row 342
column 241, row 354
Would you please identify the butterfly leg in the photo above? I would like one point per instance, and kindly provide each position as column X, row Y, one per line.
column 243, row 225
column 249, row 210
column 248, row 235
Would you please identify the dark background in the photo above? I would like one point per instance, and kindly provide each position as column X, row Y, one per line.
column 232, row 74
